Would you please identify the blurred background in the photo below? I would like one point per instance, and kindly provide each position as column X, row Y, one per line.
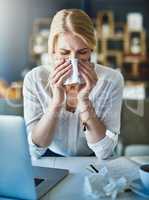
column 122, row 32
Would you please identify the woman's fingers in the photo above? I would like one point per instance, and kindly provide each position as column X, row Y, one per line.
column 58, row 68
column 84, row 90
column 62, row 68
column 87, row 80
column 62, row 72
column 86, row 65
column 88, row 69
column 58, row 63
column 87, row 73
column 63, row 77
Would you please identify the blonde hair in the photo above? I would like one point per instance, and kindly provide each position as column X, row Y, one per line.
column 75, row 21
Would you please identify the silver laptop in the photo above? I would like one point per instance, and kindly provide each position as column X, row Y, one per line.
column 18, row 179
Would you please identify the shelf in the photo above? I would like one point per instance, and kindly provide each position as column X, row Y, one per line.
column 132, row 78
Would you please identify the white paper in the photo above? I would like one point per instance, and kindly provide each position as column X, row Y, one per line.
column 121, row 166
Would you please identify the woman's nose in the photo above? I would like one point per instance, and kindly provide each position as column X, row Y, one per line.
column 73, row 55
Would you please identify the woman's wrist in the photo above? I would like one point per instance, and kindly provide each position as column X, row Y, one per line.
column 86, row 110
column 55, row 108
column 83, row 104
column 87, row 114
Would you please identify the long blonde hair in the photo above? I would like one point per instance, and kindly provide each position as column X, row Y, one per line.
column 75, row 21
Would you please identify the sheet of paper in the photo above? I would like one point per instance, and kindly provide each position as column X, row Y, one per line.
column 75, row 164
column 121, row 166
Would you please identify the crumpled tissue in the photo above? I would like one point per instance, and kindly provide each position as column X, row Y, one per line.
column 101, row 185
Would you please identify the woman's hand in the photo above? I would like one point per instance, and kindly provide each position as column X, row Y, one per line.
column 60, row 72
column 89, row 75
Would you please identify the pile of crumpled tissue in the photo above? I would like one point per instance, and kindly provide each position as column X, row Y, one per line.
column 101, row 185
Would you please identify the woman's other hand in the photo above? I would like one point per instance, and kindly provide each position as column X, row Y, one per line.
column 89, row 75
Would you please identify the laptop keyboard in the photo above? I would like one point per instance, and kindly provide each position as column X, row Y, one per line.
column 38, row 181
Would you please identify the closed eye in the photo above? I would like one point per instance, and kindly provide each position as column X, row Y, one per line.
column 65, row 52
column 83, row 52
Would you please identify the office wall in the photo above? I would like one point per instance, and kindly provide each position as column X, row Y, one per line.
column 17, row 16
column 16, row 19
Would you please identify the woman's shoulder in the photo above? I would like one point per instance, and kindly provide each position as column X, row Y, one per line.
column 108, row 74
column 37, row 74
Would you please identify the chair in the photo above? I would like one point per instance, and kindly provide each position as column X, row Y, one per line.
column 135, row 126
column 136, row 150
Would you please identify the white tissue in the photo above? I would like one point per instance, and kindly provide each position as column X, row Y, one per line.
column 94, row 183
column 101, row 185
column 115, row 186
column 92, row 186
column 74, row 78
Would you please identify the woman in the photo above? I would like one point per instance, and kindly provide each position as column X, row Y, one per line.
column 72, row 120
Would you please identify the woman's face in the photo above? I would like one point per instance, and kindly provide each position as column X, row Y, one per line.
column 71, row 46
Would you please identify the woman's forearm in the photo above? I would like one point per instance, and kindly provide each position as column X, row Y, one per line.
column 96, row 128
column 43, row 132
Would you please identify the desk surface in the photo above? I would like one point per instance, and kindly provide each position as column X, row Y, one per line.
column 72, row 187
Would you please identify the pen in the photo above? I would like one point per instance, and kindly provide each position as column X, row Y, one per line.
column 90, row 170
column 96, row 170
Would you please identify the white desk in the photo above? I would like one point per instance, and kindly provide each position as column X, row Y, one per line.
column 141, row 159
column 71, row 188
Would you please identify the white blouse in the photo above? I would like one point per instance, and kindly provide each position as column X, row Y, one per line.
column 69, row 137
